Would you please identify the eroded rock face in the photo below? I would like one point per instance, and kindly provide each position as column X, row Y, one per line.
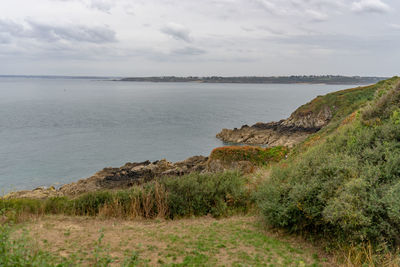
column 313, row 120
column 287, row 132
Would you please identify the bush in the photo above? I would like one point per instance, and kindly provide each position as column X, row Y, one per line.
column 90, row 203
column 202, row 194
column 346, row 187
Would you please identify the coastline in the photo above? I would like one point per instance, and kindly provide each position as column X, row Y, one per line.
column 323, row 79
column 303, row 122
column 285, row 133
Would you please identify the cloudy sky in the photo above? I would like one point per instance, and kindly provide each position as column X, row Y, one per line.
column 200, row 37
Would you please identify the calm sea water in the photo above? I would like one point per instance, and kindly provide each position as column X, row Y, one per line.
column 55, row 131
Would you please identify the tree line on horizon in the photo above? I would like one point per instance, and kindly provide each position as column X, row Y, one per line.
column 327, row 79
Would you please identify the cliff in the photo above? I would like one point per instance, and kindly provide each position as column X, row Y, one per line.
column 306, row 120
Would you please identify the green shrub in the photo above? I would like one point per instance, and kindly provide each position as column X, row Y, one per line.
column 57, row 205
column 347, row 187
column 202, row 194
column 90, row 203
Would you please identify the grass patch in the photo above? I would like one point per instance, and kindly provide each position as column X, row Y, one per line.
column 234, row 241
column 18, row 248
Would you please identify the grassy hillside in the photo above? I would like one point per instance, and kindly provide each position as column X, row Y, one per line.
column 341, row 104
column 345, row 187
column 345, row 105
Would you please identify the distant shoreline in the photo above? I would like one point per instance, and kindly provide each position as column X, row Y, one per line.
column 299, row 79
column 298, row 83
column 326, row 79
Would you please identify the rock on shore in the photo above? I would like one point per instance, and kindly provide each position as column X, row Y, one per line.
column 287, row 132
column 117, row 178
column 134, row 173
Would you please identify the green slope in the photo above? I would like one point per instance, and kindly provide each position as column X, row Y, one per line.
column 343, row 183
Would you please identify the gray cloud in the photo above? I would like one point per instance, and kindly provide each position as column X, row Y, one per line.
column 11, row 28
column 98, row 34
column 177, row 31
column 316, row 10
column 320, row 10
column 394, row 26
column 316, row 16
column 102, row 5
column 340, row 43
column 188, row 51
column 52, row 33
column 269, row 6
column 4, row 39
column 209, row 37
column 370, row 6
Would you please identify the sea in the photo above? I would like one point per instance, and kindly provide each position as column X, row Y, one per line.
column 58, row 130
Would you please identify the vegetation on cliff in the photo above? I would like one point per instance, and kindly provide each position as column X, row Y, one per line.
column 344, row 187
column 340, row 103
column 323, row 112
column 256, row 155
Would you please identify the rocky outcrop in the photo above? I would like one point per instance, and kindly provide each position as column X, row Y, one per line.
column 37, row 193
column 118, row 178
column 287, row 132
column 134, row 173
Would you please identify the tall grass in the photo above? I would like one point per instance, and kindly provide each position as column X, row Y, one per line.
column 193, row 194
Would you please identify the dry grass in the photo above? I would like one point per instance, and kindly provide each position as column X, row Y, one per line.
column 364, row 256
column 149, row 205
column 190, row 242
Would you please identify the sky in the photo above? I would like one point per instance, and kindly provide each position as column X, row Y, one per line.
column 200, row 37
